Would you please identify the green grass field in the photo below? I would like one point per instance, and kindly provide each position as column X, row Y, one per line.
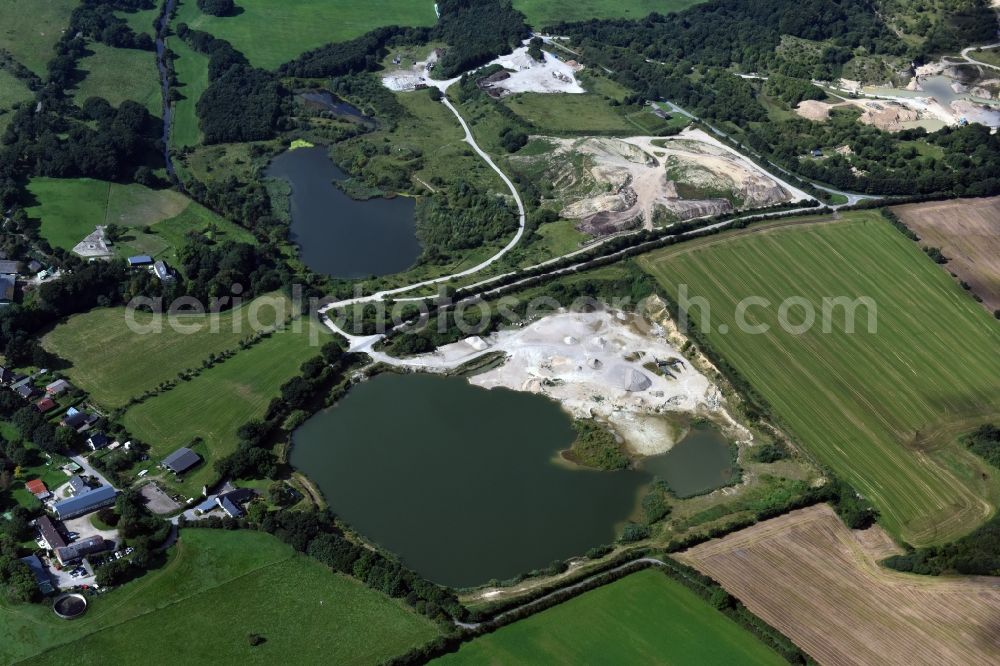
column 142, row 20
column 218, row 587
column 644, row 618
column 216, row 403
column 567, row 113
column 271, row 33
column 31, row 33
column 191, row 68
column 882, row 410
column 70, row 208
column 541, row 13
column 120, row 74
column 12, row 91
column 143, row 361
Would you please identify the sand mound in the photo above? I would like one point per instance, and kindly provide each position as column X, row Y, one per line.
column 630, row 379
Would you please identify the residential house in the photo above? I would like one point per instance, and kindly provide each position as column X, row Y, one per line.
column 42, row 577
column 45, row 405
column 78, row 485
column 7, row 285
column 98, row 441
column 57, row 387
column 181, row 460
column 233, row 501
column 77, row 420
column 6, row 376
column 78, row 505
column 26, row 390
column 38, row 489
column 82, row 548
column 163, row 271
column 140, row 260
column 50, row 533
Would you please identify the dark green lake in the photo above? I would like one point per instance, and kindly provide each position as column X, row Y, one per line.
column 338, row 235
column 464, row 484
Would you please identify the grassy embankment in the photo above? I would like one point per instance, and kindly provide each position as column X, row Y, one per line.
column 881, row 409
column 216, row 589
column 642, row 618
column 157, row 220
column 271, row 33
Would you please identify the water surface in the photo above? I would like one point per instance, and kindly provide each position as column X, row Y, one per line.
column 465, row 484
column 337, row 235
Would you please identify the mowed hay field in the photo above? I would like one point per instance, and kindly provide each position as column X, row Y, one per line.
column 120, row 74
column 270, row 33
column 156, row 351
column 217, row 402
column 819, row 583
column 30, row 32
column 70, row 208
column 540, row 13
column 883, row 410
column 968, row 232
column 644, row 618
column 217, row 588
column 191, row 69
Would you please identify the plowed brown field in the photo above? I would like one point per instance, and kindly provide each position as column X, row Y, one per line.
column 819, row 583
column 968, row 232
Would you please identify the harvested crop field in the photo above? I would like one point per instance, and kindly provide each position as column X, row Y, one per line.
column 819, row 583
column 882, row 406
column 968, row 232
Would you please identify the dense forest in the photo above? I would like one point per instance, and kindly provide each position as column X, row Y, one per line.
column 461, row 218
column 241, row 103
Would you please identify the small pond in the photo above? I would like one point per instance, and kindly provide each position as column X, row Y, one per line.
column 701, row 462
column 465, row 484
column 337, row 235
column 327, row 101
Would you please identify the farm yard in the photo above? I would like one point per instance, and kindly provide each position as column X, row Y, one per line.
column 216, row 588
column 819, row 583
column 968, row 232
column 643, row 618
column 157, row 220
column 144, row 361
column 882, row 409
column 293, row 28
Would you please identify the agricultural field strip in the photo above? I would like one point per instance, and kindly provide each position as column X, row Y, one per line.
column 814, row 362
column 968, row 233
column 909, row 619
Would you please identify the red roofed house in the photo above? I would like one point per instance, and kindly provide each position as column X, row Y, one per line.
column 37, row 488
column 45, row 404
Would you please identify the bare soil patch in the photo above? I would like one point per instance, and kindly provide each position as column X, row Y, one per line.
column 968, row 232
column 819, row 583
